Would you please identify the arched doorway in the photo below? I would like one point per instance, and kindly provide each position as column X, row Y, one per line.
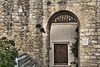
column 62, row 29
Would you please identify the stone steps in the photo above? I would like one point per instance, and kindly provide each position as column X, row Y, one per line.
column 32, row 63
column 25, row 60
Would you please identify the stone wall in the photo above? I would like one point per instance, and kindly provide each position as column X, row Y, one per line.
column 86, row 11
column 18, row 20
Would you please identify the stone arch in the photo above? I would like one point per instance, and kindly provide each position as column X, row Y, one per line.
column 50, row 23
column 75, row 11
column 64, row 11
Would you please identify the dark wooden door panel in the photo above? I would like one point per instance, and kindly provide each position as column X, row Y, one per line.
column 60, row 53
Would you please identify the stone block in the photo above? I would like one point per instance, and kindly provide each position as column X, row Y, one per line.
column 92, row 3
column 96, row 46
column 82, row 30
column 97, row 54
column 82, row 34
column 96, row 33
column 91, row 30
column 86, row 57
column 94, row 41
column 86, row 30
column 90, row 33
column 93, row 65
column 92, row 57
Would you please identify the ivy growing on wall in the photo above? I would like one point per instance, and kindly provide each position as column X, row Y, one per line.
column 74, row 48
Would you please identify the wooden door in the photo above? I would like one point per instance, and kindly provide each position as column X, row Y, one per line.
column 60, row 54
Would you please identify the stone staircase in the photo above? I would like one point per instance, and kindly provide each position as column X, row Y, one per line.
column 25, row 60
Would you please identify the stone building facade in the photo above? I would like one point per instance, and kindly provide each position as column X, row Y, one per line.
column 19, row 18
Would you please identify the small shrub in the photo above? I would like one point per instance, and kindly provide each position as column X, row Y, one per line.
column 8, row 53
column 74, row 48
column 42, row 30
column 73, row 62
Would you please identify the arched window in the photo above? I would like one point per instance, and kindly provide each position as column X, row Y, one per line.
column 63, row 17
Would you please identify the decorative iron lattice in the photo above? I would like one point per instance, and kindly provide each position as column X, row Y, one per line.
column 64, row 18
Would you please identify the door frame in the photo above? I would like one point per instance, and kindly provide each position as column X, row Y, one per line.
column 51, row 52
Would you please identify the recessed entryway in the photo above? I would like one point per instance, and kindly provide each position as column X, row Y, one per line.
column 62, row 36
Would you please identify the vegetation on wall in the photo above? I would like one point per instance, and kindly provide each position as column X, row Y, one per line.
column 74, row 48
column 8, row 53
column 40, row 27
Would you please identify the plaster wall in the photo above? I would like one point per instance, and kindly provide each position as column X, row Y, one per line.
column 62, row 33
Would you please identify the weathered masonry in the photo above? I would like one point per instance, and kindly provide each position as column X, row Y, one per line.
column 41, row 27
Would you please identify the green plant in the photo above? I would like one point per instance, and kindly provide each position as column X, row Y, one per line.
column 8, row 53
column 74, row 48
column 77, row 30
column 40, row 27
column 42, row 30
column 73, row 62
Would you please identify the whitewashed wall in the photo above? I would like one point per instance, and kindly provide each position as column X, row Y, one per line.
column 62, row 33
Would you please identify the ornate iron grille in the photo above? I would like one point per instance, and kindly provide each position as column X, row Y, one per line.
column 64, row 18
